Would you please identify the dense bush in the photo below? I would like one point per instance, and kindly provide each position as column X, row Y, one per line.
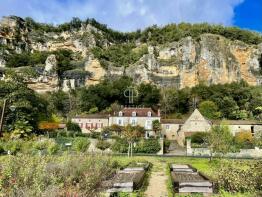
column 2, row 150
column 120, row 55
column 74, row 127
column 166, row 145
column 110, row 91
column 26, row 59
column 199, row 137
column 153, row 34
column 246, row 178
column 244, row 139
column 120, row 146
column 33, row 146
column 29, row 176
column 232, row 101
column 148, row 146
column 12, row 146
column 103, row 144
column 80, row 144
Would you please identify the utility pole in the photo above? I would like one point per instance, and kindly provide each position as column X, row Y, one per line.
column 2, row 117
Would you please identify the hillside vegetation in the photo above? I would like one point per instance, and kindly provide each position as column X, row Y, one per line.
column 154, row 34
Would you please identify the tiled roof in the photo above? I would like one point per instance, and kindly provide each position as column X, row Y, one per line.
column 236, row 122
column 140, row 112
column 172, row 121
column 92, row 116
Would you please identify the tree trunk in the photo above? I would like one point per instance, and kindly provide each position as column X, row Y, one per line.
column 128, row 151
column 131, row 149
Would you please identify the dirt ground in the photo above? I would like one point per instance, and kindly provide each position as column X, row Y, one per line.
column 158, row 181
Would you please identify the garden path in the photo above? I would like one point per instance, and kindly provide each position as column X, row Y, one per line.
column 158, row 181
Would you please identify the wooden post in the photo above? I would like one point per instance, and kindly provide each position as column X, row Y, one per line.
column 2, row 118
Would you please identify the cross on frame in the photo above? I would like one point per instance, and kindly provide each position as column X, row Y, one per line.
column 130, row 93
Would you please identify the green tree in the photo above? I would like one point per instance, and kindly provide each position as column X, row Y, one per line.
column 29, row 106
column 131, row 134
column 228, row 107
column 209, row 109
column 148, row 95
column 156, row 127
column 219, row 140
column 71, row 126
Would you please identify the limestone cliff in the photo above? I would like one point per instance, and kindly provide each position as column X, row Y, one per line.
column 209, row 58
column 212, row 59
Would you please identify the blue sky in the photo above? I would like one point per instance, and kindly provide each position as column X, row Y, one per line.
column 129, row 15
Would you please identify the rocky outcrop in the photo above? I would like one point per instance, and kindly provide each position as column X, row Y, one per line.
column 97, row 71
column 50, row 65
column 212, row 59
column 209, row 59
column 48, row 80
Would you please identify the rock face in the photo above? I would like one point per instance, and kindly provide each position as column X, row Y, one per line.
column 97, row 71
column 212, row 59
column 209, row 59
column 50, row 65
column 48, row 80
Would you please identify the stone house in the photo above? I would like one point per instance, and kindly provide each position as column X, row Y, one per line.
column 236, row 126
column 171, row 127
column 175, row 129
column 143, row 117
column 180, row 129
column 92, row 122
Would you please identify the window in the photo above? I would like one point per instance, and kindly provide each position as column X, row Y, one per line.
column 149, row 114
column 167, row 126
column 133, row 121
column 133, row 113
column 252, row 130
column 148, row 124
column 120, row 113
column 119, row 121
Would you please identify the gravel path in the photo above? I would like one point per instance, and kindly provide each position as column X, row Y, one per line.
column 158, row 182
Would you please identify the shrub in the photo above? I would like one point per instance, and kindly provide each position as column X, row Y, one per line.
column 240, row 179
column 244, row 139
column 243, row 136
column 53, row 176
column 199, row 137
column 95, row 135
column 143, row 146
column 209, row 109
column 52, row 148
column 166, row 145
column 120, row 146
column 41, row 145
column 2, row 150
column 13, row 146
column 80, row 144
column 103, row 145
column 148, row 146
column 71, row 126
column 62, row 134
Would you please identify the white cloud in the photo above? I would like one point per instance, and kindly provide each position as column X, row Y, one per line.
column 124, row 15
